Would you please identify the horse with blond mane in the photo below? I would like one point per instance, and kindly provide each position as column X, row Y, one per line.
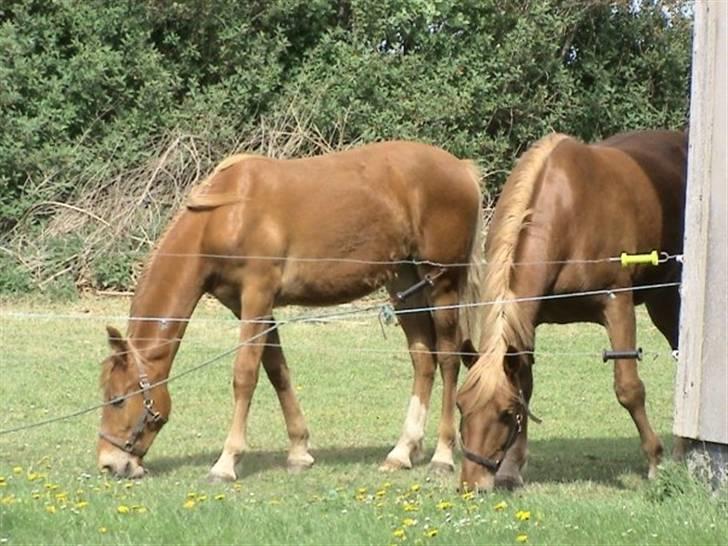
column 565, row 207
column 261, row 233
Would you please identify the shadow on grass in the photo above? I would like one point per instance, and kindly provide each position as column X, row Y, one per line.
column 599, row 460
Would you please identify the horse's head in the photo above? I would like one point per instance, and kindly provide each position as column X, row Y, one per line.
column 493, row 412
column 134, row 411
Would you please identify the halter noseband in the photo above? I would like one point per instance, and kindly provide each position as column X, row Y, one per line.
column 150, row 416
column 494, row 464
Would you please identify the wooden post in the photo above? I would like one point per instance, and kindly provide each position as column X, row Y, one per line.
column 701, row 392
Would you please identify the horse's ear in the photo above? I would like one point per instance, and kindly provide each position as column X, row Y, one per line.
column 468, row 353
column 512, row 363
column 117, row 343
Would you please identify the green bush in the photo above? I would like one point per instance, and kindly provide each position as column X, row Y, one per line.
column 101, row 100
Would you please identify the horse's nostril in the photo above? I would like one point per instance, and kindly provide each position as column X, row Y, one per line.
column 107, row 468
column 127, row 468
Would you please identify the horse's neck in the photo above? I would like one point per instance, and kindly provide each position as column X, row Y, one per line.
column 166, row 296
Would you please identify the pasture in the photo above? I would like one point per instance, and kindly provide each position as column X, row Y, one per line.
column 585, row 479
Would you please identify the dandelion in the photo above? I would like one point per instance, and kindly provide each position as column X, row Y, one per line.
column 444, row 505
column 3, row 482
column 7, row 501
column 50, row 509
column 386, row 485
column 410, row 507
column 468, row 495
column 431, row 532
column 361, row 491
column 523, row 515
column 399, row 533
column 128, row 485
column 62, row 496
column 415, row 487
column 381, row 492
column 139, row 509
column 220, row 497
column 103, row 530
column 237, row 486
column 189, row 504
column 81, row 504
column 17, row 470
column 32, row 476
column 36, row 495
column 122, row 509
column 502, row 505
column 409, row 522
column 522, row 538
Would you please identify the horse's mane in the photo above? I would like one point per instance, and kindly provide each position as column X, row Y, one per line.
column 504, row 323
column 200, row 198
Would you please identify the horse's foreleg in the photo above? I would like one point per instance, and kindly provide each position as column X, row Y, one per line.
column 274, row 363
column 257, row 304
column 620, row 323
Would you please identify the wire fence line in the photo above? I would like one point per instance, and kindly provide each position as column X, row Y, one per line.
column 371, row 309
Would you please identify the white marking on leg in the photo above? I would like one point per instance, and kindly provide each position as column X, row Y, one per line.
column 413, row 432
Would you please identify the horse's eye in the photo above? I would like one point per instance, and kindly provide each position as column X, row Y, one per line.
column 118, row 401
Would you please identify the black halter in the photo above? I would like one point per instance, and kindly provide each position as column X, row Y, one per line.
column 150, row 416
column 494, row 464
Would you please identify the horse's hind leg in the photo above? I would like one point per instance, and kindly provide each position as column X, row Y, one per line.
column 420, row 335
column 444, row 297
column 664, row 309
column 620, row 323
column 274, row 363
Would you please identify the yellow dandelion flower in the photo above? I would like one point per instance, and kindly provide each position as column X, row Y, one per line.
column 523, row 515
column 201, row 498
column 62, row 496
column 52, row 486
column 51, row 509
column 32, row 476
column 409, row 522
column 3, row 482
column 410, row 507
column 7, row 501
column 128, row 485
column 521, row 537
column 431, row 533
column 468, row 495
column 415, row 487
column 17, row 470
column 139, row 509
column 221, row 496
column 444, row 505
column 361, row 491
column 103, row 530
column 36, row 495
column 189, row 504
column 191, row 495
column 502, row 505
column 122, row 509
column 360, row 498
column 386, row 485
column 399, row 533
column 81, row 504
column 381, row 492
column 237, row 486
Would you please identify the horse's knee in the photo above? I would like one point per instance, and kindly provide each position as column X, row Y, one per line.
column 630, row 394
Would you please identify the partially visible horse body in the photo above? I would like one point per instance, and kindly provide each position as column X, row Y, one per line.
column 260, row 233
column 565, row 204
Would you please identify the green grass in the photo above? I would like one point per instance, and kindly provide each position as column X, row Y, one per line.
column 585, row 481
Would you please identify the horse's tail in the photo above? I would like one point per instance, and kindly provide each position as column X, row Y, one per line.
column 471, row 313
column 503, row 325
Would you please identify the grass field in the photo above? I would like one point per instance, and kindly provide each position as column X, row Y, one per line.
column 585, row 481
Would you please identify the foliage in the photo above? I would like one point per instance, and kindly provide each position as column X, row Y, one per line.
column 95, row 93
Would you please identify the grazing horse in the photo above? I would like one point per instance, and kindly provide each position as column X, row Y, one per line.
column 261, row 233
column 564, row 205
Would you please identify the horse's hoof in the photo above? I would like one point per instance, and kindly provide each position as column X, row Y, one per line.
column 438, row 468
column 215, row 477
column 391, row 465
column 509, row 482
column 298, row 466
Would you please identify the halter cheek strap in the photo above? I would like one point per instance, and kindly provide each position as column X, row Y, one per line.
column 494, row 464
column 150, row 416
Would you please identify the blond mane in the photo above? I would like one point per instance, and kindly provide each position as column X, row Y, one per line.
column 503, row 322
column 203, row 196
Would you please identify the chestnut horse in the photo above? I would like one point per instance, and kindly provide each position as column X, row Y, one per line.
column 261, row 233
column 566, row 203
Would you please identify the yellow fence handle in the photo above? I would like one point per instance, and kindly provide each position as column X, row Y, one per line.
column 635, row 259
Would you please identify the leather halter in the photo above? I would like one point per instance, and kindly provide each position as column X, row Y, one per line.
column 494, row 464
column 150, row 416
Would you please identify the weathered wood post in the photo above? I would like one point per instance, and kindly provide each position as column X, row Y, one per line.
column 701, row 392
